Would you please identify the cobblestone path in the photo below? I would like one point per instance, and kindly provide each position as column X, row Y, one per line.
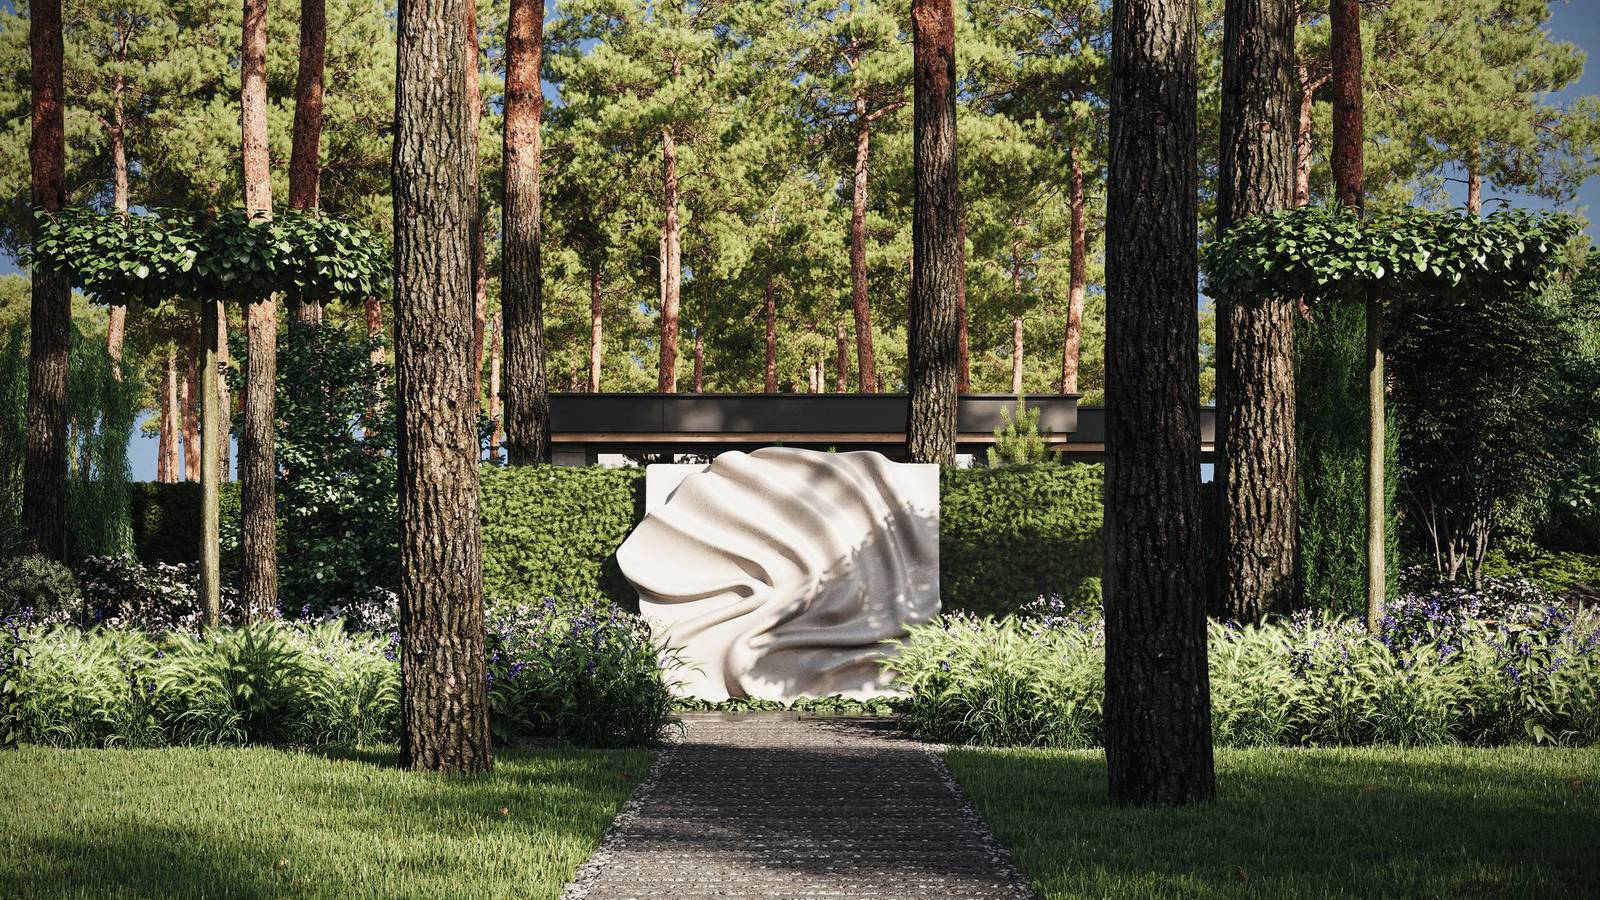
column 781, row 805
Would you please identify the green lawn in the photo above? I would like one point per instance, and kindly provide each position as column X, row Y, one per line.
column 269, row 823
column 1442, row 822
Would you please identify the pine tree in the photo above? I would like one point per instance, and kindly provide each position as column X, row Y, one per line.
column 527, row 399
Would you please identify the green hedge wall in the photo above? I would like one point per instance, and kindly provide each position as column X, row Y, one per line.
column 166, row 521
column 1006, row 536
column 1010, row 535
column 553, row 531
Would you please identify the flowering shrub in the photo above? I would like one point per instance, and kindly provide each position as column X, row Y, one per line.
column 122, row 592
column 1501, row 664
column 589, row 675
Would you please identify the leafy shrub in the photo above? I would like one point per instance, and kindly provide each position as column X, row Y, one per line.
column 39, row 584
column 1436, row 673
column 121, row 592
column 588, row 675
column 1010, row 535
column 553, row 531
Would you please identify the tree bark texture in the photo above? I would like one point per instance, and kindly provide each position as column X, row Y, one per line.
column 305, row 163
column 963, row 343
column 672, row 267
column 117, row 313
column 932, row 341
column 1016, row 355
column 44, row 482
column 444, row 707
column 496, row 434
column 1302, row 137
column 1256, row 461
column 527, row 394
column 596, row 328
column 257, row 469
column 171, row 447
column 212, row 466
column 224, row 399
column 1077, row 278
column 866, row 363
column 1157, row 696
column 841, row 359
column 1349, row 125
column 1474, row 169
column 191, row 406
column 770, row 312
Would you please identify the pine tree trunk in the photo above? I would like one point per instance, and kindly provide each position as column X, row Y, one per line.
column 117, row 313
column 671, row 273
column 191, row 406
column 963, row 345
column 1157, row 694
column 1302, row 135
column 257, row 471
column 1256, row 463
column 480, row 270
column 699, row 362
column 172, row 405
column 224, row 399
column 496, row 435
column 932, row 342
column 596, row 329
column 1077, row 278
column 372, row 308
column 305, row 164
column 444, row 708
column 841, row 359
column 1349, row 175
column 866, row 364
column 521, row 300
column 1016, row 355
column 44, row 485
column 770, row 310
column 1474, row 169
column 166, row 446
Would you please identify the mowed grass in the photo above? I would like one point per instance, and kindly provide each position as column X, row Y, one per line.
column 270, row 823
column 1375, row 822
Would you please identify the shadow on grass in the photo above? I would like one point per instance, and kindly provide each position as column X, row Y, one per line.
column 263, row 823
column 1451, row 822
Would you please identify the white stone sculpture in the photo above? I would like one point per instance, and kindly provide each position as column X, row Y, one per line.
column 779, row 573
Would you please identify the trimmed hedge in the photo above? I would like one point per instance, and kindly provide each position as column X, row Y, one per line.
column 166, row 521
column 1006, row 535
column 553, row 531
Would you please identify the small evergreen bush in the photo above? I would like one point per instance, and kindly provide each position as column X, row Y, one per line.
column 39, row 584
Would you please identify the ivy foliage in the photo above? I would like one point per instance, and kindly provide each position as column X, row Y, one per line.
column 1330, row 253
column 233, row 255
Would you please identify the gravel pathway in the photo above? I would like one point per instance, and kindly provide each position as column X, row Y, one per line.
column 783, row 805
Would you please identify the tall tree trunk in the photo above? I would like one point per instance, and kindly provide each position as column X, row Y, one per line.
column 177, row 464
column 444, row 706
column 44, row 483
column 1077, row 278
column 770, row 310
column 1256, row 463
column 191, row 406
column 224, row 400
column 496, row 434
column 257, row 471
column 1016, row 355
column 1157, row 695
column 1349, row 175
column 167, row 446
column 963, row 344
column 521, row 298
column 932, row 342
column 866, row 363
column 373, row 309
column 214, row 466
column 841, row 359
column 480, row 269
column 1302, row 135
column 671, row 272
column 1475, row 181
column 305, row 164
column 596, row 328
column 117, row 313
column 699, row 362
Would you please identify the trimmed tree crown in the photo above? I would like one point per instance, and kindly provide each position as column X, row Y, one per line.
column 1330, row 253
column 231, row 256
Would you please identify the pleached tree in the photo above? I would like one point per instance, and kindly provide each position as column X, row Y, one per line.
column 932, row 364
column 527, row 406
column 1256, row 461
column 1157, row 695
column 44, row 485
column 444, row 706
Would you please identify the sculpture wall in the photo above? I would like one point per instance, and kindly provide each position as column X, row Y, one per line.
column 780, row 573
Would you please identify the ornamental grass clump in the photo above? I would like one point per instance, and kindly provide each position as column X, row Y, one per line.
column 589, row 675
column 1504, row 663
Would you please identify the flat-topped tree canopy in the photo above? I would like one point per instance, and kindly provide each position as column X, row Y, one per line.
column 232, row 256
column 1323, row 253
